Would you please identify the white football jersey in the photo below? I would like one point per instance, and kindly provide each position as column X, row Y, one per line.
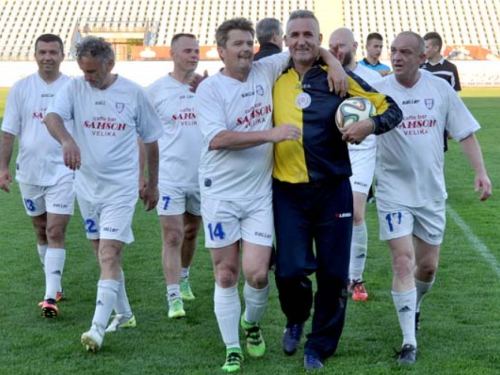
column 106, row 125
column 39, row 160
column 410, row 158
column 224, row 103
column 368, row 75
column 180, row 145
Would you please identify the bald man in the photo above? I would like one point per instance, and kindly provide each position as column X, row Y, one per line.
column 362, row 158
column 413, row 217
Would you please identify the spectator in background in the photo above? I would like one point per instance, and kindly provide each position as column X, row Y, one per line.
column 374, row 45
column 270, row 36
column 437, row 65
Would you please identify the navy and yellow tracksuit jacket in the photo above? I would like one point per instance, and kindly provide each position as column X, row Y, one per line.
column 308, row 103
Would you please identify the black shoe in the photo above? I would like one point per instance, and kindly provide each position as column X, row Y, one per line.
column 311, row 362
column 417, row 321
column 291, row 338
column 407, row 355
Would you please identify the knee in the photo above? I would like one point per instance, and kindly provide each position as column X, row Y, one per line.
column 55, row 233
column 173, row 238
column 41, row 233
column 109, row 257
column 359, row 217
column 257, row 279
column 403, row 265
column 427, row 269
column 226, row 276
column 190, row 232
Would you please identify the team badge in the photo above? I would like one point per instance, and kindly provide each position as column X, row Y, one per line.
column 120, row 107
column 259, row 90
column 303, row 100
column 429, row 103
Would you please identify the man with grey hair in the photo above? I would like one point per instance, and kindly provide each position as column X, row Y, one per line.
column 412, row 217
column 270, row 36
column 109, row 114
column 312, row 196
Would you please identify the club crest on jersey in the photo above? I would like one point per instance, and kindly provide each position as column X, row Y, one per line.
column 303, row 100
column 429, row 103
column 259, row 90
column 120, row 107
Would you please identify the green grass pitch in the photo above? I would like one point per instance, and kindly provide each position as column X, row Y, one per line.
column 460, row 317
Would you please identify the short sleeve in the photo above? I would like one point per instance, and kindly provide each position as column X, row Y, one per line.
column 209, row 111
column 12, row 119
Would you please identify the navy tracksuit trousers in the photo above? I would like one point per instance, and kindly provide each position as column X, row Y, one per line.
column 319, row 213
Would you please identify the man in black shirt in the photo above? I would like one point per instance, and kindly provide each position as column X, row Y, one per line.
column 270, row 36
column 437, row 65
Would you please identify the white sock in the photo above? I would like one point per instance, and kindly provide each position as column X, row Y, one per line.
column 185, row 273
column 173, row 292
column 54, row 266
column 107, row 291
column 422, row 289
column 227, row 308
column 359, row 247
column 405, row 303
column 122, row 306
column 42, row 249
column 255, row 302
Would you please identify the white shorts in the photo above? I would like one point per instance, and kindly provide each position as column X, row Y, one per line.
column 363, row 168
column 226, row 222
column 109, row 221
column 56, row 199
column 427, row 223
column 176, row 200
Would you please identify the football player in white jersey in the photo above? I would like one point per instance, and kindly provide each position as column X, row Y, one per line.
column 362, row 158
column 180, row 148
column 46, row 184
column 411, row 191
column 109, row 113
column 234, row 112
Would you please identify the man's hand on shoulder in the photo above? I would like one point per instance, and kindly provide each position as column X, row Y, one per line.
column 197, row 78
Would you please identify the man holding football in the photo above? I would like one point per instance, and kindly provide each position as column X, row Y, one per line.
column 234, row 112
column 312, row 196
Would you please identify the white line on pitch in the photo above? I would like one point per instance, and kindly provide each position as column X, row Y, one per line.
column 480, row 247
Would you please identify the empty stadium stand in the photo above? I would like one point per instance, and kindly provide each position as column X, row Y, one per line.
column 154, row 22
column 460, row 22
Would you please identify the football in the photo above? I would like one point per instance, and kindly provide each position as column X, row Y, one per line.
column 353, row 110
